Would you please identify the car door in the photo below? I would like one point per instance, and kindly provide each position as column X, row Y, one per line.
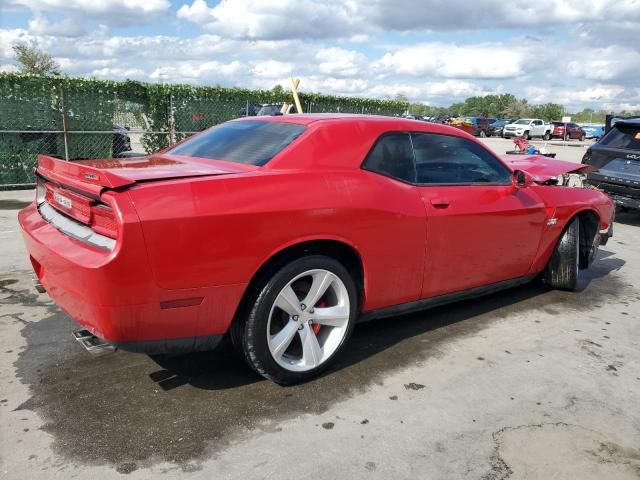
column 537, row 128
column 480, row 229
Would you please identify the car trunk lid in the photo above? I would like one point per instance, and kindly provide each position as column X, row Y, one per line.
column 70, row 194
column 94, row 175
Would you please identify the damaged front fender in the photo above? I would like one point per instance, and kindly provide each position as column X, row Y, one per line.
column 548, row 171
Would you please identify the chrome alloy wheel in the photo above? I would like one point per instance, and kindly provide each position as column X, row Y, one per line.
column 308, row 320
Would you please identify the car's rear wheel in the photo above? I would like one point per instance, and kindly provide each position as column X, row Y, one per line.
column 562, row 271
column 567, row 137
column 300, row 320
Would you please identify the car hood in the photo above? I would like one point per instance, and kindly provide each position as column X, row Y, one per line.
column 542, row 168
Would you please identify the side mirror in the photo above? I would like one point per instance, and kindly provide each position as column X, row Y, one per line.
column 521, row 179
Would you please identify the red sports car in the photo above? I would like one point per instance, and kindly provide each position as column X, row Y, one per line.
column 283, row 232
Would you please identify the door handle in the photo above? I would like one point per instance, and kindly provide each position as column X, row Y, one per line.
column 440, row 202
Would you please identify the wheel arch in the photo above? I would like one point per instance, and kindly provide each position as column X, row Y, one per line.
column 589, row 229
column 337, row 248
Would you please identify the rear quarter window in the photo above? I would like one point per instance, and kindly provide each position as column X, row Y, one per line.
column 623, row 136
column 251, row 142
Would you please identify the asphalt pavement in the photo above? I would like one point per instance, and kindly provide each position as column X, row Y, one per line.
column 527, row 383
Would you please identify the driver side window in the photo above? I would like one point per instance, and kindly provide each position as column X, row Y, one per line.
column 450, row 160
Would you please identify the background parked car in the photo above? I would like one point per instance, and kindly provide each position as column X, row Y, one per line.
column 567, row 131
column 496, row 128
column 121, row 140
column 476, row 126
column 528, row 128
column 616, row 156
column 593, row 131
column 274, row 109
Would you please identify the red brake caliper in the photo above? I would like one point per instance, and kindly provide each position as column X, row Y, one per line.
column 316, row 326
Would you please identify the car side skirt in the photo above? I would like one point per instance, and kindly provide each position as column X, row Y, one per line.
column 445, row 299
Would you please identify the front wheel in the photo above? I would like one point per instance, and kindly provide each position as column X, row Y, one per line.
column 526, row 135
column 483, row 134
column 547, row 136
column 300, row 320
column 562, row 270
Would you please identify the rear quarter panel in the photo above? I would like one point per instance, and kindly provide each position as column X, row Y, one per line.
column 220, row 230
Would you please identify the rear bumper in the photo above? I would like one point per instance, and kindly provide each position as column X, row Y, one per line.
column 114, row 294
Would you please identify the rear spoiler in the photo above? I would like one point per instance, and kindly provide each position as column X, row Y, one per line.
column 80, row 176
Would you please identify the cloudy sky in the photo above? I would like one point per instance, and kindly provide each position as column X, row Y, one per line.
column 581, row 53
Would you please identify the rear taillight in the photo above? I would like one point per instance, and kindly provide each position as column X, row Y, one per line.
column 97, row 216
column 74, row 205
column 103, row 221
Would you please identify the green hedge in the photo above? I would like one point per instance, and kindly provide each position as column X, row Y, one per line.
column 32, row 103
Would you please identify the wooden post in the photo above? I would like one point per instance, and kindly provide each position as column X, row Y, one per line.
column 294, row 89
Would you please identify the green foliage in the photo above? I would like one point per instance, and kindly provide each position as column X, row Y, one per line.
column 35, row 61
column 589, row 115
column 35, row 103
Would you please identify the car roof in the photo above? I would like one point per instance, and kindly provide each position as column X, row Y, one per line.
column 632, row 122
column 309, row 118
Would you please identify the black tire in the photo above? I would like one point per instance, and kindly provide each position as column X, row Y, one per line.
column 526, row 135
column 582, row 137
column 251, row 332
column 547, row 136
column 564, row 265
column 567, row 137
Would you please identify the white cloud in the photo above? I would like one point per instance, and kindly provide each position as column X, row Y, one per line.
column 453, row 61
column 272, row 69
column 274, row 19
column 339, row 62
column 8, row 68
column 117, row 12
column 68, row 27
column 577, row 53
column 605, row 64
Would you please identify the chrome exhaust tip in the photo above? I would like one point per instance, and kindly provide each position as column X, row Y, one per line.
column 92, row 344
column 37, row 285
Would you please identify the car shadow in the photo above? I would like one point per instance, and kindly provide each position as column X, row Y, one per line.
column 223, row 368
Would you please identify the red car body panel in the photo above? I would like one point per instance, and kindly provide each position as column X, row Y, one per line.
column 192, row 233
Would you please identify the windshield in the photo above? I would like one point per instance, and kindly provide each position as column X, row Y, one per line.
column 522, row 121
column 251, row 142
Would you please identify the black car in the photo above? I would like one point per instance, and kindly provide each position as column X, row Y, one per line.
column 496, row 127
column 121, row 142
column 616, row 158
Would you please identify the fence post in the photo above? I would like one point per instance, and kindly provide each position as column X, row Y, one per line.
column 172, row 128
column 64, row 125
column 246, row 113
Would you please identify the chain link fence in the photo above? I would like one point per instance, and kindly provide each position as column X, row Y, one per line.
column 76, row 119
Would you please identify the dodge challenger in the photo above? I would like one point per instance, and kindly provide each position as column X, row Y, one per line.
column 282, row 232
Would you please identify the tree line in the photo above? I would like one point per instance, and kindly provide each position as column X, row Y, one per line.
column 506, row 105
